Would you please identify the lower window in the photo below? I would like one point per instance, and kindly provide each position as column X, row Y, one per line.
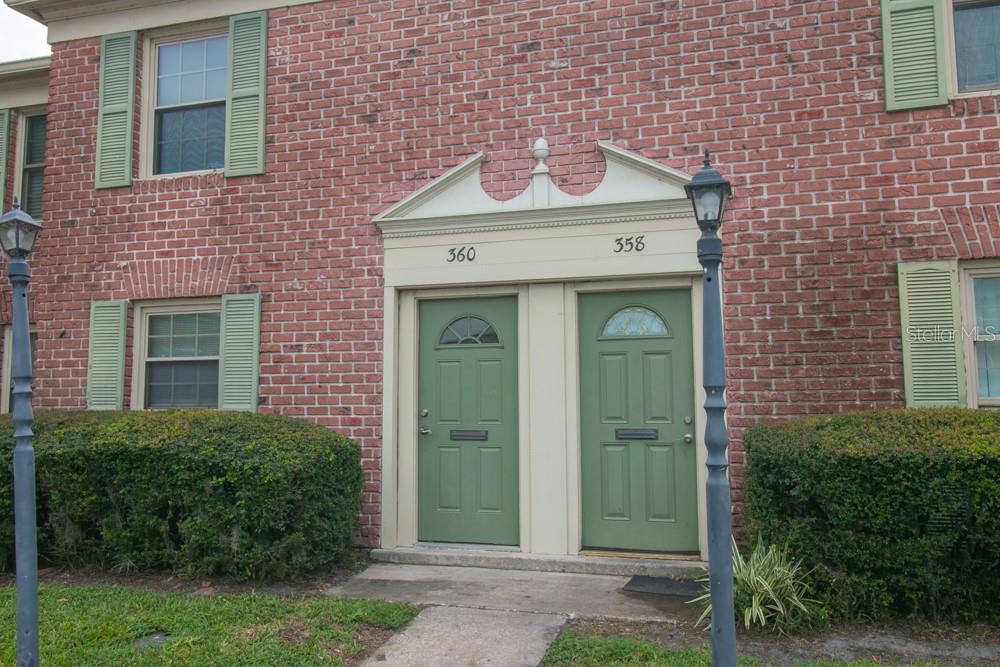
column 986, row 337
column 179, row 356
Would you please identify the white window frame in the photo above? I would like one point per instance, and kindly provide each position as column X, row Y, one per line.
column 952, row 54
column 7, row 366
column 147, row 123
column 21, row 136
column 990, row 269
column 140, row 340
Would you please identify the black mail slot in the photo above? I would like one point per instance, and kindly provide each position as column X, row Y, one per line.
column 469, row 434
column 636, row 433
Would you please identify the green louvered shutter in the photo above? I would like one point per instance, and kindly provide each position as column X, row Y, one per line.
column 106, row 362
column 117, row 106
column 240, row 352
column 4, row 143
column 933, row 345
column 914, row 61
column 247, row 89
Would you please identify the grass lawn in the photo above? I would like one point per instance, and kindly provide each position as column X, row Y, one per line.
column 582, row 650
column 116, row 626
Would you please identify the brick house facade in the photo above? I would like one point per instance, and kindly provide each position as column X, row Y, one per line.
column 367, row 102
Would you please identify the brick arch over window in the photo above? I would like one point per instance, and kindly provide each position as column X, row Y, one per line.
column 180, row 277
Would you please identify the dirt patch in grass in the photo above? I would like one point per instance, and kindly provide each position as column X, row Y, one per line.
column 899, row 643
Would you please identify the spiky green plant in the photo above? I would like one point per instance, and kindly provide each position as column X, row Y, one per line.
column 770, row 589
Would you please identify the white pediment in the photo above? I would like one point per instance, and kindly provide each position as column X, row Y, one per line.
column 630, row 180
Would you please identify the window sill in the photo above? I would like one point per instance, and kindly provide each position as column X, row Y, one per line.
column 181, row 174
column 989, row 92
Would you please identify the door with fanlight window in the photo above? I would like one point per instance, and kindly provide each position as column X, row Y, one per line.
column 467, row 421
column 637, row 421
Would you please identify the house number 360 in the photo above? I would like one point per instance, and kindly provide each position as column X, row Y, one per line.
column 630, row 244
column 463, row 254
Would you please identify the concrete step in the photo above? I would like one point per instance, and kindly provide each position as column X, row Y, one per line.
column 498, row 559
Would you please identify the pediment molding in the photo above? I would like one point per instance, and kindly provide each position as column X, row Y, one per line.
column 633, row 188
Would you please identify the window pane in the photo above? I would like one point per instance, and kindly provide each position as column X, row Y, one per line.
column 185, row 325
column 987, row 305
column 32, row 191
column 215, row 84
column 215, row 52
column 175, row 384
column 159, row 325
column 193, row 56
column 168, row 90
column 191, row 139
column 988, row 363
column 159, row 347
column 169, row 59
column 34, row 140
column 192, row 88
column 183, row 335
column 635, row 321
column 977, row 45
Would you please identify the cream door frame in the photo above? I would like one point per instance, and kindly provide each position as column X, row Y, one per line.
column 572, row 338
column 406, row 386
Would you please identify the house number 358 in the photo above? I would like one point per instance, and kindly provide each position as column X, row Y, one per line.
column 630, row 243
column 463, row 254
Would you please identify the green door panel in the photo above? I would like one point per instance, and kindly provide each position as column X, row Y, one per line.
column 636, row 372
column 467, row 456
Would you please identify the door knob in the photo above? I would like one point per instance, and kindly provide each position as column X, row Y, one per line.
column 688, row 438
column 425, row 431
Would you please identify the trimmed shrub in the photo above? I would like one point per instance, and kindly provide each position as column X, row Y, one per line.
column 901, row 508
column 249, row 496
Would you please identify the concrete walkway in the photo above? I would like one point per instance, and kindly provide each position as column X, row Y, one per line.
column 482, row 616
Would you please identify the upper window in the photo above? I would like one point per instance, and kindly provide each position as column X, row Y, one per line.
column 190, row 105
column 634, row 321
column 986, row 338
column 33, row 164
column 469, row 330
column 182, row 360
column 977, row 45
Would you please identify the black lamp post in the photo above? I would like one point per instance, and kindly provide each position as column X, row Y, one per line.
column 18, row 232
column 709, row 192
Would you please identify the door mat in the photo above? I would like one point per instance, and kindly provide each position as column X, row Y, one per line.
column 663, row 586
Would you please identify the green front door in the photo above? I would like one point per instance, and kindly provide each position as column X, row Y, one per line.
column 637, row 412
column 467, row 419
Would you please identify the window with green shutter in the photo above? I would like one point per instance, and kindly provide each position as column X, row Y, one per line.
column 198, row 353
column 190, row 105
column 115, row 115
column 33, row 165
column 207, row 86
column 247, row 91
column 106, row 356
column 933, row 337
column 914, row 60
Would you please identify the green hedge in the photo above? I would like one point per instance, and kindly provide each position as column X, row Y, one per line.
column 901, row 508
column 199, row 491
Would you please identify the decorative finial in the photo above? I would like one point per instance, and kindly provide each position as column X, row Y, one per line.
column 540, row 151
column 708, row 163
column 17, row 204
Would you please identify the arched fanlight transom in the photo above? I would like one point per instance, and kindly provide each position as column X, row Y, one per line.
column 634, row 322
column 469, row 330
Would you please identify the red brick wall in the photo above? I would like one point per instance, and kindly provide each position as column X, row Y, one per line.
column 367, row 101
